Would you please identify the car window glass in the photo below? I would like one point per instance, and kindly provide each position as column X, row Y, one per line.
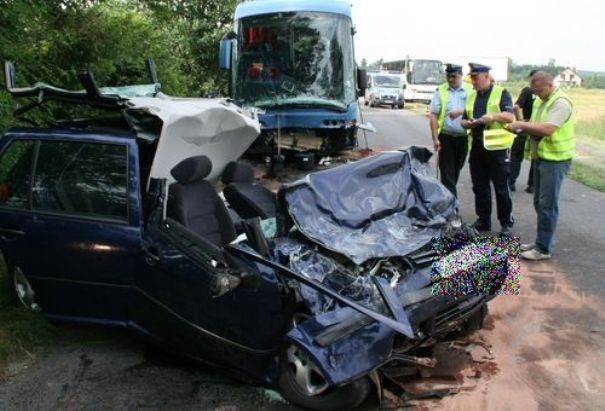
column 15, row 173
column 88, row 179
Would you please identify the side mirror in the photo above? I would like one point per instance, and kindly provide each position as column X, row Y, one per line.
column 362, row 81
column 224, row 55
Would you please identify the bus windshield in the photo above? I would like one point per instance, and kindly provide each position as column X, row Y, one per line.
column 426, row 72
column 294, row 59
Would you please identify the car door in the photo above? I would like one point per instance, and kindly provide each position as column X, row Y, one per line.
column 77, row 235
column 193, row 300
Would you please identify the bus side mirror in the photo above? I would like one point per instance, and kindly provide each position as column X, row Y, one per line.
column 224, row 54
column 362, row 81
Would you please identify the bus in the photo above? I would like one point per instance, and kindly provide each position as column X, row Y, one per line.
column 294, row 62
column 421, row 77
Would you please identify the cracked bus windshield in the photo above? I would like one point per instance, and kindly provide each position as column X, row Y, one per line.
column 295, row 59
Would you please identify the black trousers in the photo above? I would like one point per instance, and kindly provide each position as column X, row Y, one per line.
column 487, row 168
column 516, row 157
column 451, row 159
column 517, row 153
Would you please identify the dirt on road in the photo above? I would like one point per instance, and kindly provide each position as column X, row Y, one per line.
column 547, row 351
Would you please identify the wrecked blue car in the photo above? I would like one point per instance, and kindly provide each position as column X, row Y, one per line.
column 115, row 221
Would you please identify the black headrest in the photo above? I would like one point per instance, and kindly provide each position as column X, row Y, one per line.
column 237, row 172
column 192, row 169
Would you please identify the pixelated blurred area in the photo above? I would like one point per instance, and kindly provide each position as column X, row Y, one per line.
column 476, row 266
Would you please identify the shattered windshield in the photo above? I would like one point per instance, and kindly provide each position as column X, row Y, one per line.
column 387, row 81
column 294, row 59
column 426, row 72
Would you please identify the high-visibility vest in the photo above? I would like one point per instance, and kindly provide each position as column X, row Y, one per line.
column 493, row 105
column 560, row 146
column 444, row 94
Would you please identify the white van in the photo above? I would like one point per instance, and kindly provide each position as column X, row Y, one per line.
column 384, row 89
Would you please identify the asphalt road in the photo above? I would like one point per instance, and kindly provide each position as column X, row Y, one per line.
column 116, row 371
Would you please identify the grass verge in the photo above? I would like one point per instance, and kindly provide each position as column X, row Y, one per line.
column 588, row 174
column 21, row 332
column 594, row 129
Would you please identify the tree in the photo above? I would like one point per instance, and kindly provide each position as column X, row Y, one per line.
column 200, row 25
column 52, row 40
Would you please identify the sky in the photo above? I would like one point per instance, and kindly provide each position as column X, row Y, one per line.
column 528, row 31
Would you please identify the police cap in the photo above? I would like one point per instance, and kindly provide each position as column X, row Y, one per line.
column 453, row 69
column 477, row 68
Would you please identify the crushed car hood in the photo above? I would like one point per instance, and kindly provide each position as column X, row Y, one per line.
column 382, row 206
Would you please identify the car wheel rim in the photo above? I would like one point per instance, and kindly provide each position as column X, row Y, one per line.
column 307, row 375
column 25, row 292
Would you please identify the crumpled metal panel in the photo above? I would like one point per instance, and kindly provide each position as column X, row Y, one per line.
column 306, row 260
column 382, row 206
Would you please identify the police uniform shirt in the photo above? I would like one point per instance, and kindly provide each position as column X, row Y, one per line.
column 526, row 102
column 480, row 108
column 456, row 101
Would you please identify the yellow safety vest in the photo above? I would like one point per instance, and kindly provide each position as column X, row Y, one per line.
column 493, row 105
column 444, row 94
column 560, row 146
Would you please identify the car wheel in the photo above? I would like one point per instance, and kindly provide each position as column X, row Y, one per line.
column 365, row 102
column 21, row 289
column 302, row 383
column 400, row 107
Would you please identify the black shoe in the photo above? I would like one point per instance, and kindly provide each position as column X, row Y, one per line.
column 506, row 230
column 481, row 226
column 529, row 189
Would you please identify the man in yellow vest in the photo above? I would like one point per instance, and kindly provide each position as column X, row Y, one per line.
column 552, row 147
column 449, row 138
column 488, row 106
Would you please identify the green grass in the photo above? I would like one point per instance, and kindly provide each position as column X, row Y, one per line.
column 588, row 174
column 21, row 332
column 591, row 128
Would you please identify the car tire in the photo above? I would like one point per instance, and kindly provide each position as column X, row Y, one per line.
column 400, row 107
column 365, row 102
column 20, row 290
column 345, row 397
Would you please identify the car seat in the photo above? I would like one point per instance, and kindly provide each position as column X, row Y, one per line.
column 193, row 202
column 244, row 194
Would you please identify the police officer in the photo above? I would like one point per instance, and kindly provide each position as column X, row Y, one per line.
column 445, row 114
column 488, row 106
